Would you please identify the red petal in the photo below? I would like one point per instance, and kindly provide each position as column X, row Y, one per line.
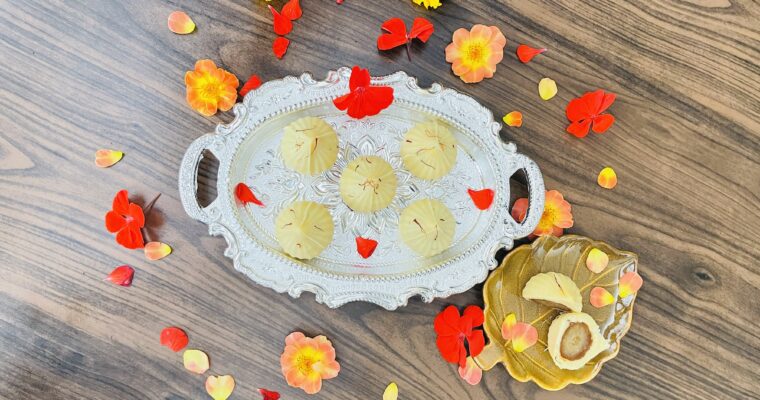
column 607, row 101
column 280, row 46
column 593, row 100
column 282, row 25
column 269, row 395
column 292, row 10
column 136, row 212
column 476, row 341
column 395, row 36
column 359, row 78
column 174, row 338
column 121, row 202
column 371, row 102
column 526, row 53
column 365, row 247
column 130, row 238
column 342, row 102
column 251, row 84
column 122, row 275
column 577, row 110
column 602, row 122
column 520, row 209
column 114, row 222
column 421, row 29
column 579, row 129
column 475, row 314
column 449, row 347
column 447, row 321
column 482, row 198
column 244, row 194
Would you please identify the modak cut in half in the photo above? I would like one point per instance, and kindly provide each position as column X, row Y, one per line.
column 429, row 150
column 427, row 227
column 368, row 184
column 574, row 339
column 309, row 146
column 304, row 229
column 554, row 290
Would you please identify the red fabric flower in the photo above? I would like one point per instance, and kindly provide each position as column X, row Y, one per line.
column 125, row 220
column 586, row 112
column 364, row 100
column 453, row 330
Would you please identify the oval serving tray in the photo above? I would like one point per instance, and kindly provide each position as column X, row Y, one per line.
column 248, row 151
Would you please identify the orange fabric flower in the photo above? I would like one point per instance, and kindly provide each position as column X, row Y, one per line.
column 210, row 88
column 557, row 215
column 474, row 54
column 306, row 361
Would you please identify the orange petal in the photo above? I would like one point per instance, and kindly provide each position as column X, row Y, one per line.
column 547, row 88
column 607, row 178
column 391, row 392
column 597, row 260
column 630, row 283
column 508, row 326
column 195, row 361
column 600, row 297
column 523, row 337
column 105, row 158
column 220, row 387
column 513, row 119
column 157, row 250
column 471, row 373
column 181, row 23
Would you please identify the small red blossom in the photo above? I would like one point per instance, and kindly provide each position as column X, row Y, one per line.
column 364, row 100
column 365, row 247
column 126, row 219
column 453, row 330
column 587, row 112
column 395, row 33
column 251, row 84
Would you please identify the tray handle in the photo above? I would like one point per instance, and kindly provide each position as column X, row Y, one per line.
column 188, row 177
column 536, row 195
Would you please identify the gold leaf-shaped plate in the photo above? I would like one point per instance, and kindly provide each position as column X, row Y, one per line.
column 502, row 296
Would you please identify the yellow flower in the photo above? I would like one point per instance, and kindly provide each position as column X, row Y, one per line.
column 306, row 361
column 474, row 54
column 428, row 3
column 210, row 88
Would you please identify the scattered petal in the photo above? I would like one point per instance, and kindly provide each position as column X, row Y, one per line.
column 630, row 283
column 597, row 260
column 600, row 297
column 292, row 10
column 526, row 53
column 522, row 335
column 220, row 387
column 105, row 158
column 244, row 194
column 195, row 361
column 174, row 338
column 282, row 24
column 428, row 3
column 180, row 23
column 391, row 392
column 365, row 247
column 122, row 275
column 514, row 118
column 157, row 250
column 269, row 395
column 547, row 88
column 251, row 84
column 607, row 178
column 482, row 198
column 471, row 373
column 280, row 46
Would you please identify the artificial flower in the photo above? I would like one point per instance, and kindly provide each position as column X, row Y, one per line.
column 395, row 34
column 122, row 275
column 210, row 88
column 280, row 46
column 474, row 54
column 252, row 83
column 174, row 338
column 526, row 53
column 105, row 158
column 364, row 100
column 180, row 23
column 428, row 3
column 607, row 178
column 307, row 361
column 587, row 112
column 453, row 330
column 126, row 219
column 557, row 214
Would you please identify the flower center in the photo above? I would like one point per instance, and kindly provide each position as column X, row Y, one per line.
column 210, row 88
column 476, row 52
column 304, row 363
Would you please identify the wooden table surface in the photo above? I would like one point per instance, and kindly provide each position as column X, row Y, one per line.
column 78, row 76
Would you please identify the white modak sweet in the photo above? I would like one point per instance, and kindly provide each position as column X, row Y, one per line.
column 429, row 150
column 427, row 227
column 368, row 184
column 309, row 146
column 304, row 229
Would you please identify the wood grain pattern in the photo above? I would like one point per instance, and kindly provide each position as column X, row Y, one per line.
column 81, row 75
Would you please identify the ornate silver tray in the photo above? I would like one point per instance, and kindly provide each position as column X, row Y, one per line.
column 248, row 151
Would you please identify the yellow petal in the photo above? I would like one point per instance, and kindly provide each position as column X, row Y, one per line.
column 524, row 336
column 607, row 178
column 195, row 361
column 105, row 158
column 600, row 297
column 513, row 119
column 157, row 250
column 630, row 283
column 180, row 23
column 471, row 373
column 391, row 392
column 508, row 325
column 597, row 260
column 547, row 88
column 220, row 387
